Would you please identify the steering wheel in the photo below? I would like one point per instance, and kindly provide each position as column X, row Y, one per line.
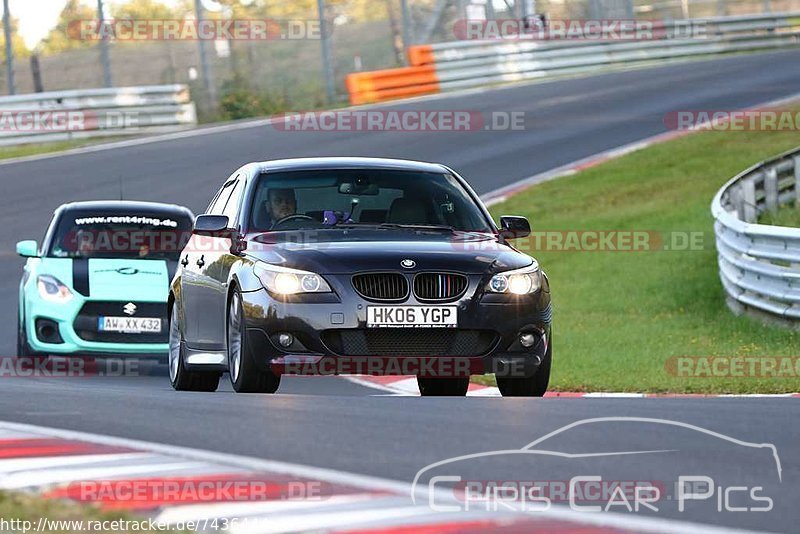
column 288, row 218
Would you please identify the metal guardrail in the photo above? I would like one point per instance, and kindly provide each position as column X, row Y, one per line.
column 84, row 113
column 467, row 64
column 759, row 265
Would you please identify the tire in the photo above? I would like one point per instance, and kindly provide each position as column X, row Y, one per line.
column 245, row 374
column 181, row 378
column 532, row 386
column 442, row 387
column 28, row 359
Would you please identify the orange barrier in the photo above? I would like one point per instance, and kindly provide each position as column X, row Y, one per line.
column 388, row 84
column 420, row 55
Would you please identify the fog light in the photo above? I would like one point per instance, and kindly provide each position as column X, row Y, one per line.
column 47, row 331
column 527, row 340
column 285, row 340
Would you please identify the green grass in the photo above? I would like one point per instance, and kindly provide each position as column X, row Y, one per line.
column 26, row 507
column 618, row 316
column 56, row 146
column 785, row 216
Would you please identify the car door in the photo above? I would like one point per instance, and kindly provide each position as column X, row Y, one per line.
column 218, row 261
column 196, row 288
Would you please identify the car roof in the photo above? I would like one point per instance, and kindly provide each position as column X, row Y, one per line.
column 298, row 164
column 125, row 206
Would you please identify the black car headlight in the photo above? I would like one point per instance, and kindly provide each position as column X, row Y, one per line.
column 517, row 282
column 285, row 281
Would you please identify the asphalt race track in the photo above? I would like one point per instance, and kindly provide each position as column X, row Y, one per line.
column 333, row 423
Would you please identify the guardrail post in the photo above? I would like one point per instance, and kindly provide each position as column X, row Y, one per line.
column 797, row 179
column 748, row 199
column 771, row 189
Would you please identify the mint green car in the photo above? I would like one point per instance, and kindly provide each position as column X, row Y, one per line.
column 98, row 284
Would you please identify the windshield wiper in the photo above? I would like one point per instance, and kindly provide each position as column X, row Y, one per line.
column 394, row 226
column 424, row 227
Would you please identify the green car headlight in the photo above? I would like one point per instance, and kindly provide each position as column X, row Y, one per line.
column 52, row 290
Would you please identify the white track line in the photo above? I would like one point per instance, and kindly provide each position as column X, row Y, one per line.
column 19, row 464
column 196, row 512
column 35, row 479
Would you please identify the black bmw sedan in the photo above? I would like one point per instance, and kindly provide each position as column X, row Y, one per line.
column 357, row 266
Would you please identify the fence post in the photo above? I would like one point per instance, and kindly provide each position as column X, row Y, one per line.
column 36, row 74
column 205, row 64
column 104, row 58
column 406, row 16
column 327, row 59
column 771, row 189
column 9, row 48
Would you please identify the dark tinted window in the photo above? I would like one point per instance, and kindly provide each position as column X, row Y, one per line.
column 120, row 234
column 324, row 198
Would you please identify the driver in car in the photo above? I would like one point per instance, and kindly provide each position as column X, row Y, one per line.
column 281, row 203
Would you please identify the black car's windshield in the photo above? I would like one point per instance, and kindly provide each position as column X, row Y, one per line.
column 120, row 235
column 389, row 199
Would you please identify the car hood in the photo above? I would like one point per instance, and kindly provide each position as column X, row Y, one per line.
column 112, row 279
column 349, row 252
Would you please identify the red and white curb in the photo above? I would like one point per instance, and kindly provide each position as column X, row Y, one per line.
column 407, row 386
column 151, row 480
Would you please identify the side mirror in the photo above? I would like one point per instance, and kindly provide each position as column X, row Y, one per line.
column 513, row 227
column 28, row 249
column 210, row 225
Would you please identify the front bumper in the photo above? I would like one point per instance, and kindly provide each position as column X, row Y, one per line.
column 76, row 324
column 331, row 336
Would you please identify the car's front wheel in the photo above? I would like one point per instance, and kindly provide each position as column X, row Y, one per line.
column 181, row 378
column 25, row 355
column 442, row 387
column 532, row 386
column 246, row 376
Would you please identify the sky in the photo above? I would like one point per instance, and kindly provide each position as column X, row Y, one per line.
column 36, row 17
